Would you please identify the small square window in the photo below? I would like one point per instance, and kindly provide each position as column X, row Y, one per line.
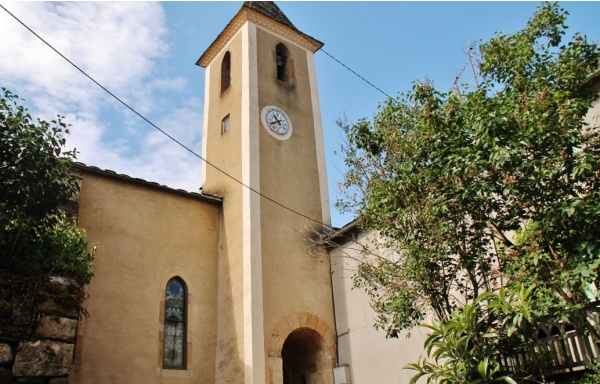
column 225, row 124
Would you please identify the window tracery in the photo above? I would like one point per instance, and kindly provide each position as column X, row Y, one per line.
column 174, row 353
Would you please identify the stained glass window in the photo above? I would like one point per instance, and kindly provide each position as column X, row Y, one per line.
column 175, row 327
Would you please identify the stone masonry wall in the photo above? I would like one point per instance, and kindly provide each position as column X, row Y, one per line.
column 36, row 343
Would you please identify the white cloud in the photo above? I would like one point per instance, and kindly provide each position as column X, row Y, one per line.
column 115, row 42
column 121, row 45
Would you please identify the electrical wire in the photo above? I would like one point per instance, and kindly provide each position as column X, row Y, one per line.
column 161, row 130
column 276, row 18
column 359, row 76
column 171, row 137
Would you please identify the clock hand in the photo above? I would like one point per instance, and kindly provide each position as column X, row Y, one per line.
column 272, row 119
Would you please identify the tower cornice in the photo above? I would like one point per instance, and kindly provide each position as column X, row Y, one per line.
column 247, row 14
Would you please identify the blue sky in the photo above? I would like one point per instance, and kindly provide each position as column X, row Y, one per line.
column 145, row 53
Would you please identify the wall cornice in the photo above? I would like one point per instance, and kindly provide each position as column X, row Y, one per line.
column 245, row 15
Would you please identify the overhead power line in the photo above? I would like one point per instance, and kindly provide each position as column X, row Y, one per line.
column 161, row 130
column 359, row 76
column 275, row 17
column 171, row 137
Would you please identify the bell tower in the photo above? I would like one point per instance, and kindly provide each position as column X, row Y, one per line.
column 263, row 145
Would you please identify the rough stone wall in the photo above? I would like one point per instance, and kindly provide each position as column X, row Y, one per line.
column 37, row 344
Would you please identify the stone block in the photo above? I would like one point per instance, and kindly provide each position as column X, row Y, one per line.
column 56, row 327
column 18, row 320
column 303, row 319
column 6, row 354
column 43, row 358
column 275, row 345
column 322, row 327
column 275, row 370
column 49, row 306
column 293, row 321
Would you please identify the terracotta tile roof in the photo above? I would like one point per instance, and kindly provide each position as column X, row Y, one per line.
column 80, row 167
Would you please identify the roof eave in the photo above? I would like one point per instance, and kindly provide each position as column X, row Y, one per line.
column 83, row 168
column 247, row 14
column 593, row 78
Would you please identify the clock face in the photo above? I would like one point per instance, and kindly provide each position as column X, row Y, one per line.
column 277, row 122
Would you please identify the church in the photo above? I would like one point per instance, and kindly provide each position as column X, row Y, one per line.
column 223, row 286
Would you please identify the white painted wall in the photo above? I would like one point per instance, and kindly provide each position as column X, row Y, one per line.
column 593, row 115
column 372, row 359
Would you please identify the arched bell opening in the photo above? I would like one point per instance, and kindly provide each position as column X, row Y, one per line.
column 285, row 66
column 304, row 357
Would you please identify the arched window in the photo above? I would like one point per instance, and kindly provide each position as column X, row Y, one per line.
column 282, row 57
column 226, row 72
column 174, row 353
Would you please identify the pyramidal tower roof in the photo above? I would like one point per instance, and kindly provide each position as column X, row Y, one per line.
column 270, row 9
column 265, row 14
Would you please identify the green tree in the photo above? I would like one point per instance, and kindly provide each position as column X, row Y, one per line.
column 35, row 180
column 478, row 188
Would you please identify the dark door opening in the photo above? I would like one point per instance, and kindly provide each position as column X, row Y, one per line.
column 302, row 356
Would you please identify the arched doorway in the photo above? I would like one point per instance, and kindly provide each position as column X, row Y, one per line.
column 301, row 349
column 303, row 357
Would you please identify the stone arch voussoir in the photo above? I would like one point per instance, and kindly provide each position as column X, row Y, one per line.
column 298, row 320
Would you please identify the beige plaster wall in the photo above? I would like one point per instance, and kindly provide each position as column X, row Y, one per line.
column 225, row 152
column 145, row 237
column 294, row 281
column 265, row 272
column 371, row 357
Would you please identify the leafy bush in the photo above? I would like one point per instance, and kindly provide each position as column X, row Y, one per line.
column 35, row 180
column 591, row 377
column 468, row 348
